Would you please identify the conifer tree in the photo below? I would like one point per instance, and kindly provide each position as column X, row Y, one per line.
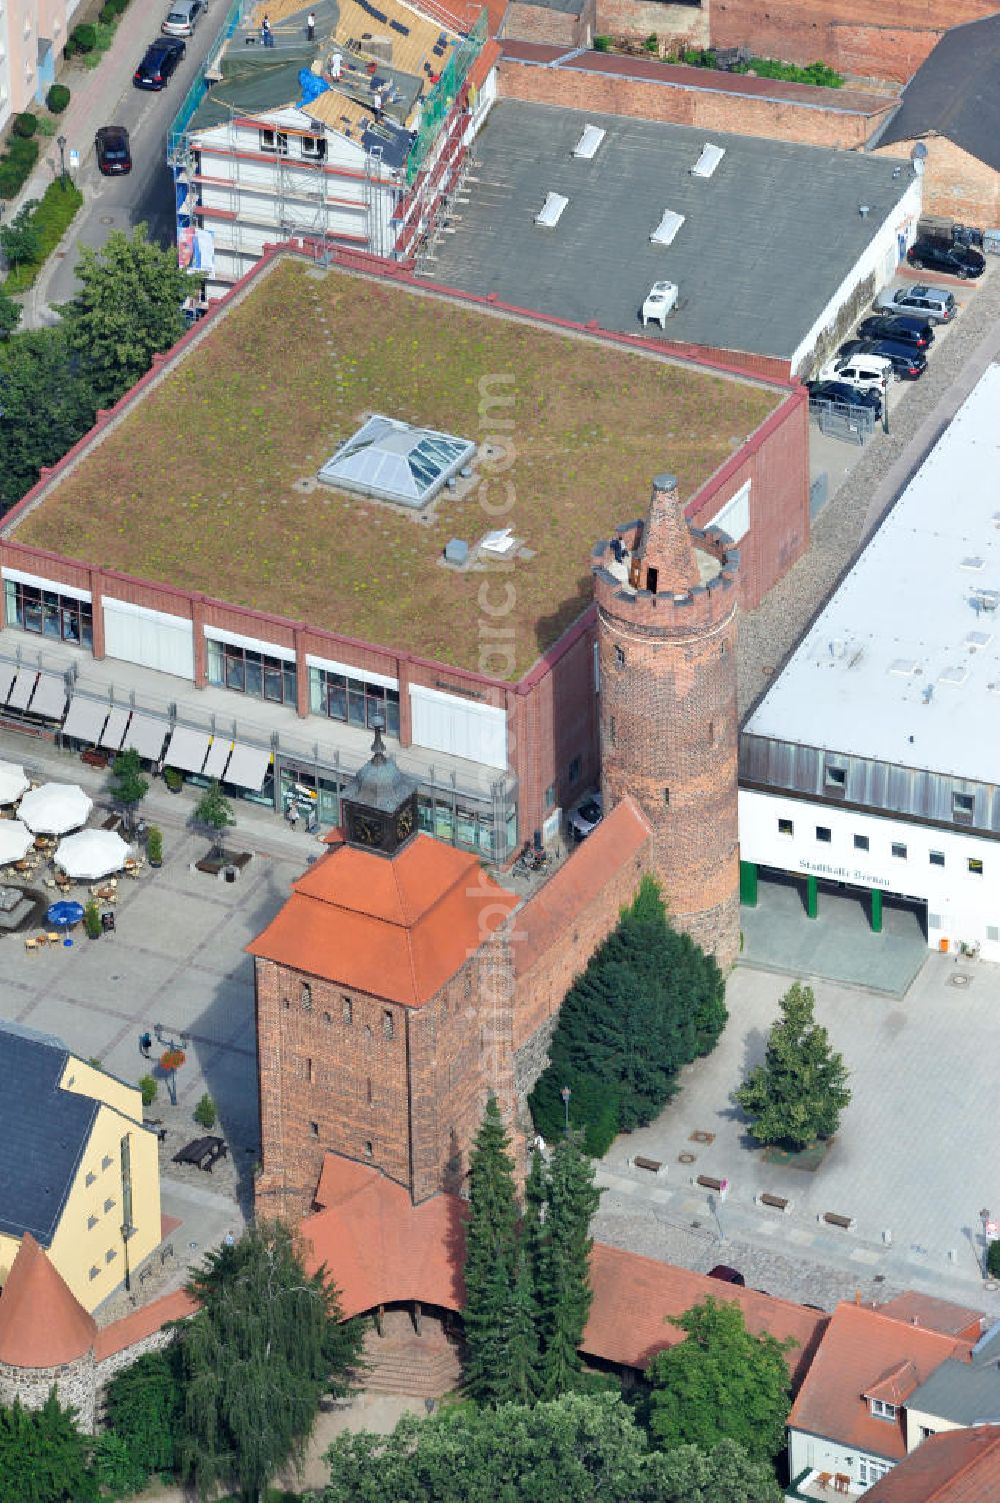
column 564, row 1293
column 490, row 1260
column 799, row 1092
column 523, row 1357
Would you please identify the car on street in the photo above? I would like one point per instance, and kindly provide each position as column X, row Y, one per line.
column 907, row 363
column 842, row 392
column 916, row 332
column 936, row 304
column 957, row 260
column 727, row 1275
column 586, row 819
column 112, row 150
column 159, row 63
column 182, row 18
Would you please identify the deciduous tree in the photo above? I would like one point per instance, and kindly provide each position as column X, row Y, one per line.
column 722, row 1382
column 128, row 786
column 46, row 404
column 214, row 811
column 43, row 1456
column 144, row 1404
column 799, row 1092
column 267, row 1343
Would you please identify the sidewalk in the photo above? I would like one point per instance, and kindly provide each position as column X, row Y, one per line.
column 93, row 92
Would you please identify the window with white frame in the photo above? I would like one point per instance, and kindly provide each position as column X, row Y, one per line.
column 871, row 1471
column 314, row 148
column 275, row 141
column 882, row 1410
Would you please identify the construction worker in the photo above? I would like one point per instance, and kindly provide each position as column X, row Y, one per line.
column 311, row 27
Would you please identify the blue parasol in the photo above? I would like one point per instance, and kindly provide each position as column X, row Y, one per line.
column 64, row 913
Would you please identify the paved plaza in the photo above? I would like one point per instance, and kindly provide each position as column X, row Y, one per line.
column 912, row 1165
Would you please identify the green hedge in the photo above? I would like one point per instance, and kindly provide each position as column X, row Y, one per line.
column 52, row 218
column 993, row 1260
column 593, row 1106
column 16, row 165
column 82, row 38
column 57, row 98
column 25, row 125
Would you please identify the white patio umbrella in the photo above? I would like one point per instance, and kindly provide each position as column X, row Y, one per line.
column 15, row 840
column 12, row 782
column 91, row 854
column 55, row 808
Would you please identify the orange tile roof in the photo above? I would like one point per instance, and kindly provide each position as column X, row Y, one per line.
column 380, row 1248
column 144, row 1322
column 895, row 1385
column 42, row 1323
column 957, row 1466
column 634, row 1295
column 934, row 1314
column 396, row 928
column 619, row 838
column 860, row 1348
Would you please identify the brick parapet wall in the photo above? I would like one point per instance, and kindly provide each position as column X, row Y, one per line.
column 956, row 184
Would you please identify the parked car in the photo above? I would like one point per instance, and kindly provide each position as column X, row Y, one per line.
column 727, row 1275
column 182, row 18
column 907, row 363
column 936, row 304
column 956, row 260
column 586, row 819
column 906, row 330
column 850, row 396
column 159, row 63
column 112, row 150
column 860, row 368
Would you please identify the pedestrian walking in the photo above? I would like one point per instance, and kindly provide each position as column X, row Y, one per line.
column 293, row 814
column 311, row 27
column 336, row 63
column 266, row 34
column 230, row 1240
column 145, row 1044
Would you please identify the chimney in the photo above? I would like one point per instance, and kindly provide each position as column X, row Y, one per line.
column 665, row 562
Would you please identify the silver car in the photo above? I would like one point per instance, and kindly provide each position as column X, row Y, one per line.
column 182, row 18
column 936, row 304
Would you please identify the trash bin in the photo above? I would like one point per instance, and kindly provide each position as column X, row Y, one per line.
column 230, row 874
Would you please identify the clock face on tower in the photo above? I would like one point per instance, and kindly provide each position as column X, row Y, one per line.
column 365, row 828
column 404, row 824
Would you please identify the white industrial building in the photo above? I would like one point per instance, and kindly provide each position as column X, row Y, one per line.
column 873, row 762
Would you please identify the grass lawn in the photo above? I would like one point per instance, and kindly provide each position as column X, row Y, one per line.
column 196, row 487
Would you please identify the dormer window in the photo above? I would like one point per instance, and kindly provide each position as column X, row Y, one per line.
column 882, row 1410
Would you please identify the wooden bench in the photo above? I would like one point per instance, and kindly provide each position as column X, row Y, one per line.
column 652, row 1165
column 774, row 1202
column 832, row 1218
column 708, row 1183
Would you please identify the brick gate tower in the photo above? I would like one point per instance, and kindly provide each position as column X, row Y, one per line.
column 667, row 611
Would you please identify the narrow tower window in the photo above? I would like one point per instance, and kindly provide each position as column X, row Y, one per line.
column 619, row 657
column 666, row 795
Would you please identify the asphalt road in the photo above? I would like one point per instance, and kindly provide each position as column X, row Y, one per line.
column 146, row 195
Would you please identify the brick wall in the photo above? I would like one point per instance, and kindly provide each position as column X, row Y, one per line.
column 703, row 101
column 75, row 1384
column 641, row 18
column 537, row 23
column 851, row 35
column 955, row 183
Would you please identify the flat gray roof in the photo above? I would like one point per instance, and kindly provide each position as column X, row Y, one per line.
column 767, row 239
column 903, row 664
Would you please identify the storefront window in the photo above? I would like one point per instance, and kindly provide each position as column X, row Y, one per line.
column 251, row 672
column 352, row 700
column 46, row 613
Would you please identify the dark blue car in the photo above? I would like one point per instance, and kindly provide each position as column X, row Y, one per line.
column 907, row 363
column 156, row 68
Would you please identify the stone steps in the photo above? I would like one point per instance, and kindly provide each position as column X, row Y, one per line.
column 424, row 1370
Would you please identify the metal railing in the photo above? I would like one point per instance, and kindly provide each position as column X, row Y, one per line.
column 844, row 420
column 437, row 104
column 177, row 139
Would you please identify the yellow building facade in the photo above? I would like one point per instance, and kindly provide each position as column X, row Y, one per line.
column 78, row 1169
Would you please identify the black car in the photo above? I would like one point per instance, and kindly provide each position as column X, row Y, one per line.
column 958, row 260
column 915, row 332
column 907, row 363
column 111, row 148
column 850, row 396
column 162, row 57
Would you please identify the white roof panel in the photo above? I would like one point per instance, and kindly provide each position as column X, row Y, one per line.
column 551, row 211
column 586, row 148
column 7, row 676
column 22, row 688
column 49, row 698
column 248, row 766
column 146, row 735
column 666, row 230
column 85, row 720
column 187, row 749
column 218, row 756
column 710, row 158
column 114, row 731
column 888, row 671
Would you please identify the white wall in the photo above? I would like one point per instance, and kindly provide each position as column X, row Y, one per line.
column 815, row 1452
column 152, row 639
column 881, row 257
column 962, row 907
column 443, row 722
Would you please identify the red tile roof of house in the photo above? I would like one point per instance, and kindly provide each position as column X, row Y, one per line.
column 896, row 1385
column 957, row 1466
column 143, row 1322
column 42, row 1323
column 398, row 927
column 934, row 1314
column 621, row 837
column 862, row 1348
column 380, row 1248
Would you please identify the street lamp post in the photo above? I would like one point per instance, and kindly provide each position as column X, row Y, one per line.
column 566, row 1093
column 61, row 143
column 989, row 1231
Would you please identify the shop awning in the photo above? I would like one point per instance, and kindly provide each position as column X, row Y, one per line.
column 187, row 749
column 248, row 767
column 111, row 737
column 85, row 720
column 218, row 756
column 21, row 688
column 6, row 679
column 49, row 698
column 146, row 735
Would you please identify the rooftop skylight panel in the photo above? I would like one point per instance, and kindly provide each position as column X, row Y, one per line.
column 586, row 148
column 551, row 211
column 710, row 158
column 667, row 228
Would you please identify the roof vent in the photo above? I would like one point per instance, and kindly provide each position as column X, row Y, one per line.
column 667, row 228
column 864, row 210
column 976, row 639
column 957, row 673
column 973, row 562
column 586, row 148
column 904, row 667
column 550, row 213
column 985, row 600
column 500, row 542
column 710, row 158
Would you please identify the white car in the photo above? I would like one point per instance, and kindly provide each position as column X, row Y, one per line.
column 662, row 297
column 866, row 372
column 182, row 18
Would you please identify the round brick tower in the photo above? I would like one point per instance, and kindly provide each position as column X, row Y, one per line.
column 667, row 610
